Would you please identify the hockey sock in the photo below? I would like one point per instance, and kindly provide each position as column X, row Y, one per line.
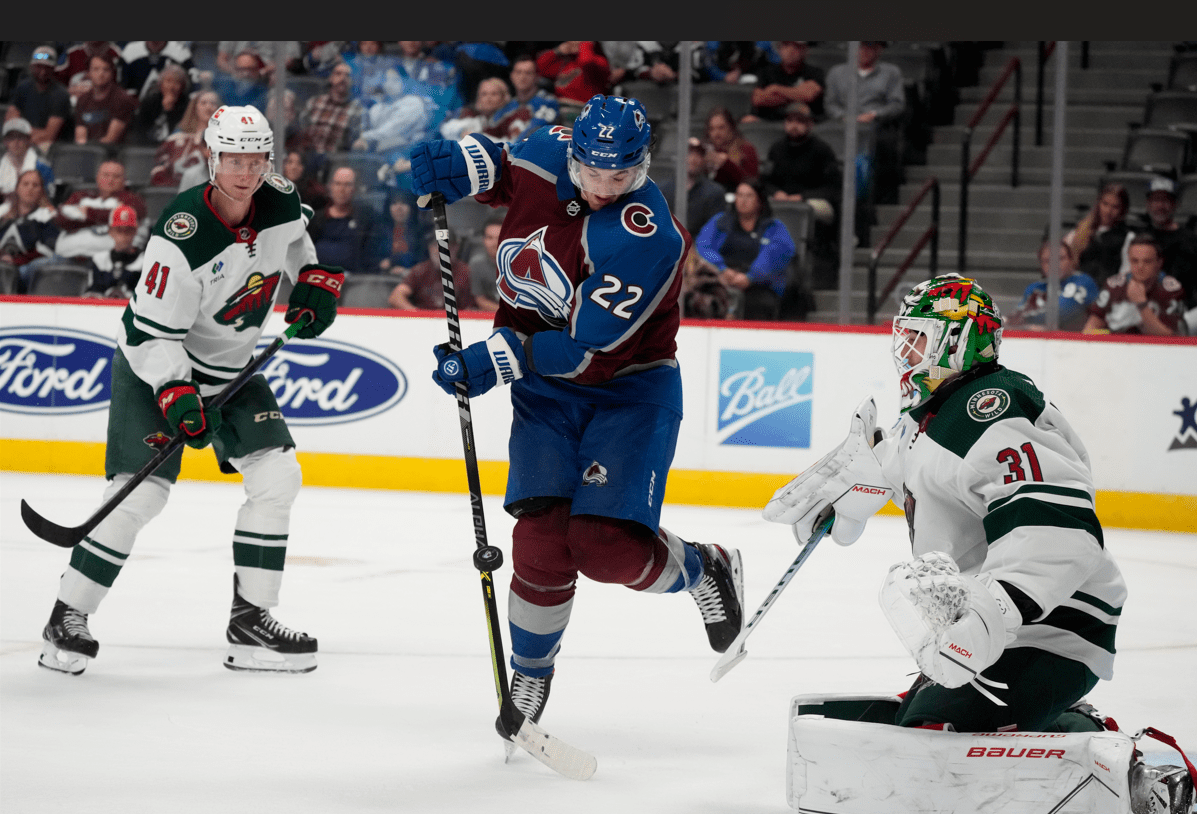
column 272, row 479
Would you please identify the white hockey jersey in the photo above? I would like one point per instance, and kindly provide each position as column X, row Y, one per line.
column 990, row 472
column 206, row 288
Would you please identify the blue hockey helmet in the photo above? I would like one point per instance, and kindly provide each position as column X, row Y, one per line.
column 611, row 133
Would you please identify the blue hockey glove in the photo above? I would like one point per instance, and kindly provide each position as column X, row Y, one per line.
column 455, row 168
column 482, row 365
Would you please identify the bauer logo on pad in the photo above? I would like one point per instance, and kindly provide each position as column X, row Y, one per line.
column 764, row 398
column 47, row 370
column 322, row 381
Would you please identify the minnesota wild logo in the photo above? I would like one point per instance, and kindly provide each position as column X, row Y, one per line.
column 250, row 304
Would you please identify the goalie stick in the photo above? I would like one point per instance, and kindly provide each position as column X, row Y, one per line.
column 68, row 536
column 549, row 750
column 736, row 652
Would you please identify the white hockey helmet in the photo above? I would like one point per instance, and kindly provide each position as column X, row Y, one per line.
column 237, row 129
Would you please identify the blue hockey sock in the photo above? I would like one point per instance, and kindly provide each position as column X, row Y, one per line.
column 691, row 571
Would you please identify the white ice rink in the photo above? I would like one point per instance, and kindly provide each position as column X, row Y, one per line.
column 399, row 715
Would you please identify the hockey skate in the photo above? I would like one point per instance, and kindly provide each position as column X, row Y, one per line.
column 259, row 643
column 67, row 643
column 1160, row 789
column 529, row 696
column 720, row 595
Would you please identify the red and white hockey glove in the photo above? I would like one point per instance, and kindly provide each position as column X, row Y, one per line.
column 184, row 410
column 316, row 292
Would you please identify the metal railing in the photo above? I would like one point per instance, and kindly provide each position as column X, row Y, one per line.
column 969, row 169
column 929, row 235
column 1046, row 49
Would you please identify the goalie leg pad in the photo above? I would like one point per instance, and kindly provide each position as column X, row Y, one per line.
column 847, row 767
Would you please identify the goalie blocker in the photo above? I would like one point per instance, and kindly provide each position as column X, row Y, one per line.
column 859, row 766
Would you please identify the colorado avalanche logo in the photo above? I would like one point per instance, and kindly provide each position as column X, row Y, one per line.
column 531, row 278
column 638, row 219
column 595, row 475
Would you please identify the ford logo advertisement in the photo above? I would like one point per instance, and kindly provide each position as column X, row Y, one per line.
column 321, row 381
column 47, row 370
column 765, row 398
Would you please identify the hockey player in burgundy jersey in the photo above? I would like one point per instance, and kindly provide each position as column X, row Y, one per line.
column 590, row 266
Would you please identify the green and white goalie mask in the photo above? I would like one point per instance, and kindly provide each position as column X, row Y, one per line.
column 946, row 325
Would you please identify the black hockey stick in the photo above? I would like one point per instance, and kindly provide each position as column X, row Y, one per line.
column 556, row 754
column 68, row 537
column 736, row 651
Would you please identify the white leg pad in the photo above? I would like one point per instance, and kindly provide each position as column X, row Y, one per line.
column 847, row 767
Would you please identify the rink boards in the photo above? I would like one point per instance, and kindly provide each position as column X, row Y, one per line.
column 762, row 402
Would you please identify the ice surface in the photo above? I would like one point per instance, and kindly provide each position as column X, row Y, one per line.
column 399, row 716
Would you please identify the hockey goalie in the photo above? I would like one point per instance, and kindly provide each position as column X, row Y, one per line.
column 1009, row 606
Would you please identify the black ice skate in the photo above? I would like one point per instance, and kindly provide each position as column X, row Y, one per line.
column 68, row 644
column 529, row 696
column 258, row 643
column 1160, row 789
column 720, row 595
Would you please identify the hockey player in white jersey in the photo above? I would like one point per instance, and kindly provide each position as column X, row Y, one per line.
column 1011, row 603
column 209, row 279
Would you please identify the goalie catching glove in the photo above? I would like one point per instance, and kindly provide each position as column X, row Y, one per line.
column 316, row 292
column 954, row 625
column 184, row 410
column 848, row 479
column 455, row 169
column 482, row 365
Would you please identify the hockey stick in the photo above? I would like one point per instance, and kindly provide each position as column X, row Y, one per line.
column 68, row 537
column 556, row 754
column 735, row 652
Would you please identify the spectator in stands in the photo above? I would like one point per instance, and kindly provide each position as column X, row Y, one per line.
column 484, row 265
column 881, row 100
column 298, row 171
column 145, row 60
column 163, row 107
column 1143, row 300
column 75, row 70
column 803, row 167
column 752, row 251
column 83, row 217
column 436, row 79
column 480, row 116
column 1178, row 245
column 624, row 58
column 660, row 63
column 20, row 156
column 246, row 83
column 529, row 108
column 345, row 231
column 368, row 66
column 331, row 121
column 422, row 288
column 115, row 272
column 731, row 158
column 578, row 71
column 791, row 80
column 406, row 231
column 184, row 148
column 27, row 228
column 704, row 296
column 290, row 119
column 1077, row 292
column 736, row 60
column 403, row 119
column 704, row 198
column 1100, row 240
column 105, row 110
column 42, row 101
column 321, row 57
column 272, row 55
column 198, row 173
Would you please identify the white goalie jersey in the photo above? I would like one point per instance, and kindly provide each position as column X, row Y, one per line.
column 998, row 480
column 206, row 288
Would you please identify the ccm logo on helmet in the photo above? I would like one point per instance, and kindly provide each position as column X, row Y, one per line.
column 638, row 219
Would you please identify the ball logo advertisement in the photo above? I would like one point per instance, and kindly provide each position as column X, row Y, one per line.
column 764, row 398
column 52, row 371
column 322, row 381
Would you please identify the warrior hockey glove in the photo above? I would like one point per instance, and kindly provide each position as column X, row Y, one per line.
column 316, row 292
column 455, row 169
column 482, row 365
column 180, row 402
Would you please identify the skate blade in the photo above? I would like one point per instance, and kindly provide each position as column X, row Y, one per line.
column 61, row 661
column 508, row 751
column 246, row 658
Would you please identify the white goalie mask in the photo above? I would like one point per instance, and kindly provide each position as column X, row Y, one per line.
column 234, row 130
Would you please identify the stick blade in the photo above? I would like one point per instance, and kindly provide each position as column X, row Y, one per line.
column 558, row 755
column 727, row 661
column 49, row 531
